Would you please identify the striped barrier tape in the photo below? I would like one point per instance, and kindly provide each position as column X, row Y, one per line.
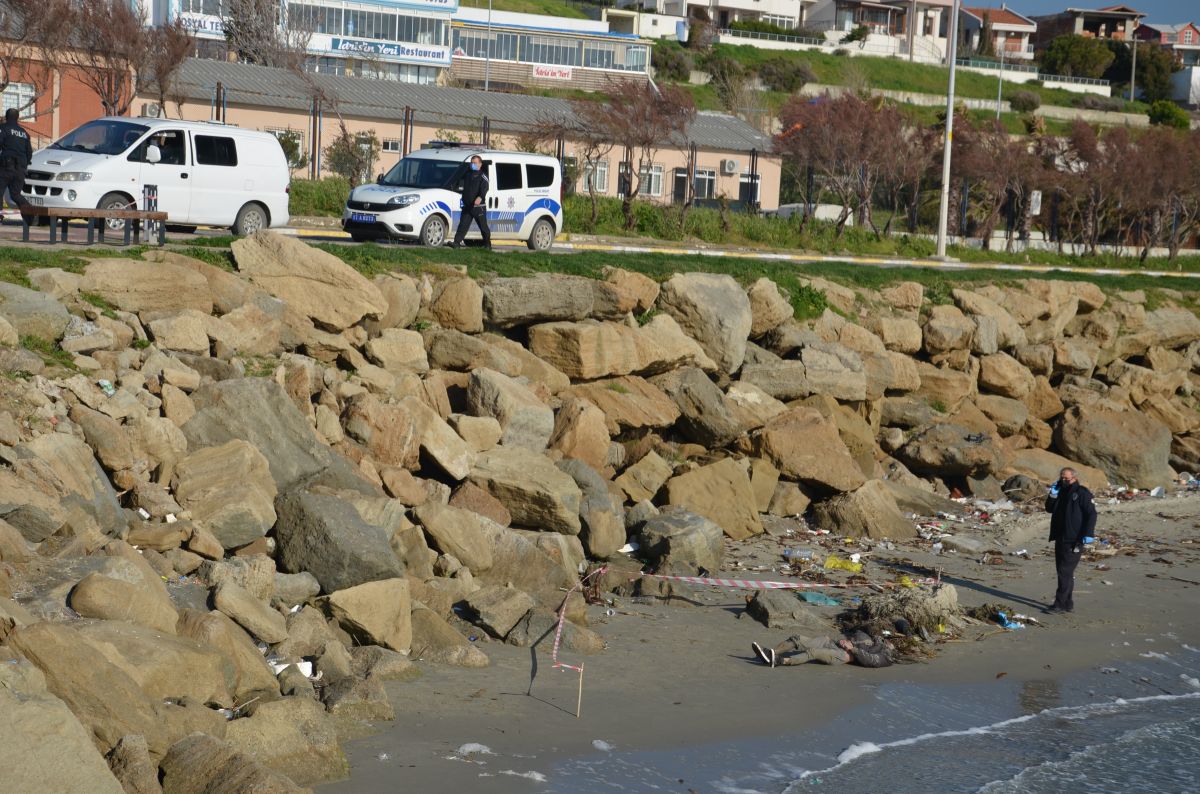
column 562, row 615
column 751, row 584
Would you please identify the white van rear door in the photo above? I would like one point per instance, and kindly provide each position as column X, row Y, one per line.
column 172, row 174
column 219, row 188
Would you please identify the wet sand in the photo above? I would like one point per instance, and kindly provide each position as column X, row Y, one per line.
column 682, row 675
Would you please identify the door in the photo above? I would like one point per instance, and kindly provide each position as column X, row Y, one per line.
column 219, row 186
column 506, row 199
column 171, row 174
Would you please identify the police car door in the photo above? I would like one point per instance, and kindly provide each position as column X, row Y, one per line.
column 506, row 204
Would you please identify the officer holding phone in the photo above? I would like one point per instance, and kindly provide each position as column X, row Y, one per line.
column 1072, row 526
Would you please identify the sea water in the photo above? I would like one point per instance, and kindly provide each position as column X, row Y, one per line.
column 1134, row 726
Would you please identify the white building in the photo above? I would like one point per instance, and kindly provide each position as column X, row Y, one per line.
column 405, row 40
column 723, row 13
column 905, row 28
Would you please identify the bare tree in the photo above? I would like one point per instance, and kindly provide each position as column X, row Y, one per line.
column 640, row 119
column 167, row 47
column 258, row 33
column 108, row 50
column 33, row 35
column 591, row 145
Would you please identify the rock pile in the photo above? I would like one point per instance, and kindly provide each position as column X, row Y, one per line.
column 256, row 495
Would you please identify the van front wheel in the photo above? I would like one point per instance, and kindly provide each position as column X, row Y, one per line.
column 433, row 233
column 250, row 219
column 115, row 201
column 542, row 236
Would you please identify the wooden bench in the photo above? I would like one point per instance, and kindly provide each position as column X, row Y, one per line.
column 96, row 222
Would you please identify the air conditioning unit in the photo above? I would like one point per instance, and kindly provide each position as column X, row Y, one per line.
column 729, row 167
column 151, row 110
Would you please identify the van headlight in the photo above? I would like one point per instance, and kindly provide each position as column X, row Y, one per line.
column 405, row 200
column 74, row 176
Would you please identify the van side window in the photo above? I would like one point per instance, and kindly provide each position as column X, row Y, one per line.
column 211, row 150
column 170, row 147
column 508, row 176
column 539, row 175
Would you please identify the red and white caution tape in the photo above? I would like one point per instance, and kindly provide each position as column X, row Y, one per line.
column 751, row 584
column 562, row 615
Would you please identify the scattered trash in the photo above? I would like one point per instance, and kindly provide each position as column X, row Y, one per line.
column 797, row 554
column 473, row 637
column 171, row 519
column 817, row 599
column 1159, row 492
column 1021, row 553
column 145, row 514
column 1005, row 623
column 629, row 548
column 1109, row 670
column 835, row 563
column 603, row 746
column 382, row 757
column 937, row 548
column 107, row 387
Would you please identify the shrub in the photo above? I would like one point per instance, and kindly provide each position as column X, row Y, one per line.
column 671, row 62
column 1024, row 101
column 858, row 34
column 1093, row 102
column 786, row 74
column 315, row 197
column 1168, row 114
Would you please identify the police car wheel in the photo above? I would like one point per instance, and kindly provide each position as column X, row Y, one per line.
column 542, row 236
column 433, row 233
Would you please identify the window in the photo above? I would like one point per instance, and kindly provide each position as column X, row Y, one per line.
column 508, row 176
column 391, row 144
column 1188, row 36
column 553, row 51
column 706, row 183
column 171, row 148
column 595, row 176
column 651, row 181
column 599, row 55
column 778, row 21
column 679, row 187
column 20, row 96
column 211, row 7
column 749, row 188
column 539, row 175
column 213, row 150
column 381, row 25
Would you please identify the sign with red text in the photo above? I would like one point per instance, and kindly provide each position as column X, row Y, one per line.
column 543, row 72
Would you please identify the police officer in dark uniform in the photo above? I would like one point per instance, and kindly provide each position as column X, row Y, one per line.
column 474, row 198
column 15, row 154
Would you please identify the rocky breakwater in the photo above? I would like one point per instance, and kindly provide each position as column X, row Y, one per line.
column 255, row 496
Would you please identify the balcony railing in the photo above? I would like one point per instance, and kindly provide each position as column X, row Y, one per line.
column 1012, row 67
column 751, row 34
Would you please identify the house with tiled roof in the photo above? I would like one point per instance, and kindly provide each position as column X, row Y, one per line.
column 1010, row 34
column 1182, row 39
column 1111, row 22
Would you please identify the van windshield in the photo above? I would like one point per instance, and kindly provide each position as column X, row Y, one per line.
column 102, row 137
column 424, row 172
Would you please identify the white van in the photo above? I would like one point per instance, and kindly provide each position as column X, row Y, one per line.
column 420, row 198
column 207, row 174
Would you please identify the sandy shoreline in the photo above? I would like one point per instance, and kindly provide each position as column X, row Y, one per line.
column 684, row 676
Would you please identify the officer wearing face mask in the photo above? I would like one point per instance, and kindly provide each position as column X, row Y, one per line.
column 1072, row 526
column 474, row 204
column 15, row 154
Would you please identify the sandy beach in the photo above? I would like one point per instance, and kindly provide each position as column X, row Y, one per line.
column 681, row 676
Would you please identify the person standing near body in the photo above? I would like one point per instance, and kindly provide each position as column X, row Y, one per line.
column 15, row 154
column 474, row 199
column 1072, row 526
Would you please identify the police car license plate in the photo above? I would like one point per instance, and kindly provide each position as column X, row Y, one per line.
column 363, row 217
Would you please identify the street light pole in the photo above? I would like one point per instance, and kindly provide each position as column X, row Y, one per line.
column 1000, row 89
column 487, row 64
column 944, row 208
column 1133, row 70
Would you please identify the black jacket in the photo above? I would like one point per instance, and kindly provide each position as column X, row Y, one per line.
column 475, row 186
column 1072, row 514
column 15, row 145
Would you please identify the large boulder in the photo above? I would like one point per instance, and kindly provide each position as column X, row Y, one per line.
column 947, row 329
column 293, row 736
column 497, row 609
column 806, row 446
column 252, row 677
column 259, row 411
column 944, row 388
column 229, row 489
column 203, row 764
column 509, row 302
column 326, row 536
column 1129, row 446
column 769, row 309
column 399, row 351
column 524, row 420
column 375, row 613
column 253, row 615
column 782, row 609
column 32, row 313
column 714, row 311
column 721, row 492
column 311, row 282
column 601, row 516
column 458, row 533
column 102, row 696
column 704, row 416
column 137, row 286
column 682, row 543
column 629, row 403
column 870, row 511
column 1002, row 374
column 948, row 450
column 458, row 303
column 643, row 479
column 581, row 432
column 536, row 494
column 1173, row 327
column 435, row 640
column 590, row 350
column 1044, row 466
column 1009, row 331
column 129, row 597
column 43, row 746
column 824, row 368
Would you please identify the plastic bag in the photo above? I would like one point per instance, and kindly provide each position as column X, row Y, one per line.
column 833, row 562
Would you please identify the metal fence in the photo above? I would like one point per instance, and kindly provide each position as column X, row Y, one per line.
column 752, row 34
column 1011, row 67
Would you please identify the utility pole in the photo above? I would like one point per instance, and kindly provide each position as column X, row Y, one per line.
column 487, row 64
column 1000, row 90
column 912, row 27
column 944, row 208
column 1133, row 71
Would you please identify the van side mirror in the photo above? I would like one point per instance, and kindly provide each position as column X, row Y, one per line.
column 153, row 154
column 379, row 178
